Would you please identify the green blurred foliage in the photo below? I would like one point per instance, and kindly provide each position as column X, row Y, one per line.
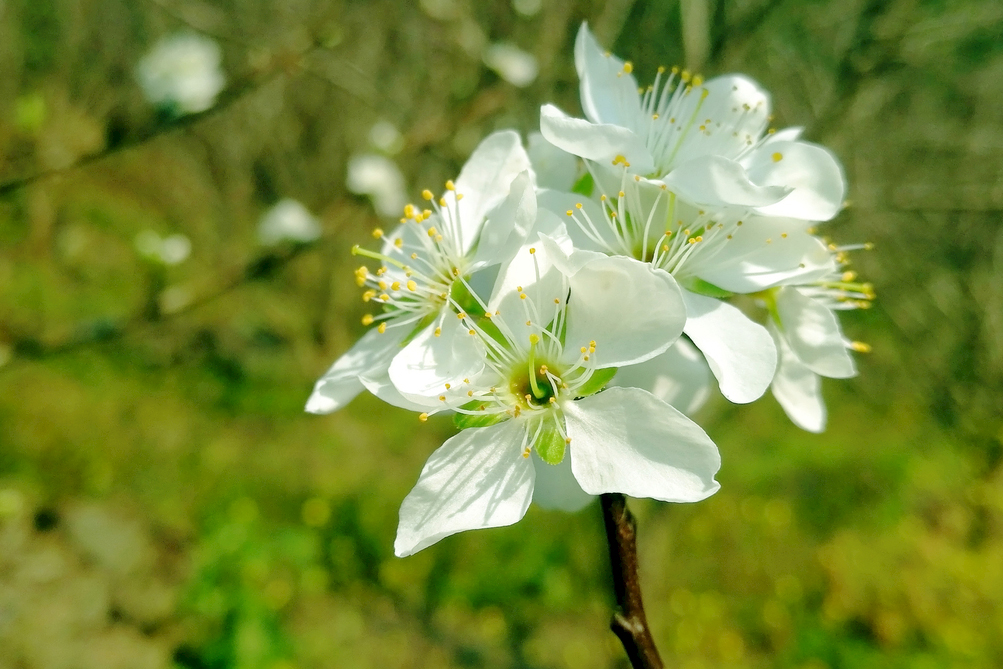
column 165, row 502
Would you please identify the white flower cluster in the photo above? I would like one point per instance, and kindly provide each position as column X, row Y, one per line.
column 570, row 323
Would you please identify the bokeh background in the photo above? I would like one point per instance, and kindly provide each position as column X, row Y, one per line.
column 165, row 502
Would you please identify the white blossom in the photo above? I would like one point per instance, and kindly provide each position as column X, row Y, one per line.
column 182, row 73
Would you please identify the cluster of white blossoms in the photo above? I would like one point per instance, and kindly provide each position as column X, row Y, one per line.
column 570, row 305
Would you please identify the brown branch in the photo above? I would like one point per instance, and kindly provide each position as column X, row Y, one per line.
column 629, row 622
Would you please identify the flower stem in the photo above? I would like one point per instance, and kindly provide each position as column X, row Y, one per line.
column 629, row 622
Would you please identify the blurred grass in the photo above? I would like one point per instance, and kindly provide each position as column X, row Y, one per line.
column 164, row 501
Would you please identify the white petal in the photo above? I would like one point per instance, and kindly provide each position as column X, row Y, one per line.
column 609, row 95
column 560, row 203
column 767, row 252
column 717, row 181
column 557, row 487
column 626, row 440
column 738, row 109
column 813, row 172
column 485, row 179
column 383, row 388
column 741, row 353
column 507, row 225
column 535, row 274
column 680, row 377
column 631, row 310
column 371, row 355
column 428, row 362
column 479, row 478
column 797, row 389
column 813, row 332
column 601, row 142
column 552, row 167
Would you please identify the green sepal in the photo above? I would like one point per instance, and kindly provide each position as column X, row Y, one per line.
column 458, row 291
column 464, row 420
column 550, row 446
column 585, row 185
column 701, row 287
column 597, row 381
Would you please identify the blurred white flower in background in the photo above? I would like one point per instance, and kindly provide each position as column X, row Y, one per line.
column 288, row 220
column 380, row 179
column 512, row 64
column 182, row 73
column 170, row 250
column 385, row 136
column 527, row 7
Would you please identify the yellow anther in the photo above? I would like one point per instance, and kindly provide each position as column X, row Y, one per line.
column 543, row 369
column 654, row 117
column 665, row 247
column 661, row 69
column 697, row 80
column 602, row 198
column 578, row 205
column 570, row 213
column 367, row 319
column 438, row 332
column 534, row 339
column 739, row 223
column 438, row 238
column 686, row 76
column 450, row 185
column 461, row 315
column 427, row 194
column 459, row 196
column 552, row 400
column 368, row 295
column 396, row 285
column 380, row 271
column 861, row 347
column 382, row 285
column 384, row 297
column 442, row 398
column 522, row 296
column 532, row 250
column 448, row 386
column 620, row 160
column 432, row 232
column 423, row 417
column 442, row 202
column 584, row 350
column 414, row 256
column 471, row 332
column 377, row 233
column 849, row 276
column 699, row 238
column 470, row 393
column 777, row 157
column 868, row 246
column 621, row 194
column 628, row 67
column 567, row 440
column 586, row 358
column 398, row 242
column 412, row 285
column 771, row 131
column 529, row 322
column 556, row 301
column 382, row 327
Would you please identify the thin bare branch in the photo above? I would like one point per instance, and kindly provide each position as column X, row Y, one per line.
column 629, row 622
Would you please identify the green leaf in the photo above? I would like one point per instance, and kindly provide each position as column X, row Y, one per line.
column 465, row 420
column 597, row 381
column 701, row 287
column 550, row 446
column 585, row 185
